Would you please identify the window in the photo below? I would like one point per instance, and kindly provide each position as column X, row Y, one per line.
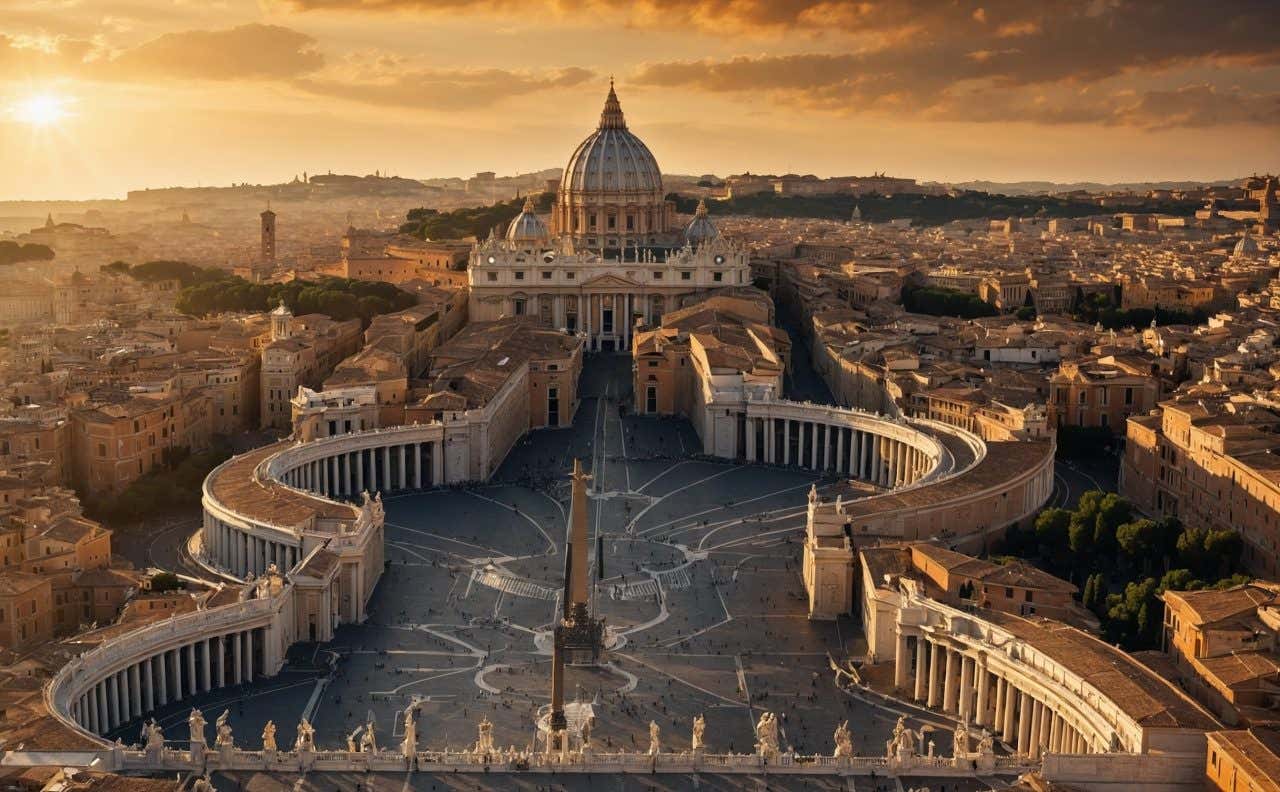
column 613, row 222
column 717, row 276
column 1083, row 398
column 546, row 274
column 519, row 276
column 686, row 275
column 569, row 275
column 1028, row 595
column 1008, row 592
column 1128, row 395
column 491, row 276
column 657, row 274
column 631, row 223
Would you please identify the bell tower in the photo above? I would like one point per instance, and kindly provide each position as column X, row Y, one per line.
column 268, row 236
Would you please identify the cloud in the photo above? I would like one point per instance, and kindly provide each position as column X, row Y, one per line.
column 390, row 83
column 247, row 52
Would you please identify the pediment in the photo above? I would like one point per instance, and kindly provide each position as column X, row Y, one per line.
column 609, row 281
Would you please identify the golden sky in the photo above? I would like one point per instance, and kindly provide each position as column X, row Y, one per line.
column 101, row 96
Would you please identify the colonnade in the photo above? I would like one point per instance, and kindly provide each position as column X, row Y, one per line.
column 156, row 680
column 385, row 468
column 879, row 459
column 941, row 675
column 243, row 553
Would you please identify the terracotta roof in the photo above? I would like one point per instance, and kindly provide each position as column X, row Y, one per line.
column 1211, row 605
column 1256, row 751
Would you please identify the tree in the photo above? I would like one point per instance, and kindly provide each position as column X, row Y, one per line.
column 1052, row 527
column 165, row 581
column 1137, row 538
column 1113, row 511
column 1180, row 580
column 1026, row 313
column 1222, row 550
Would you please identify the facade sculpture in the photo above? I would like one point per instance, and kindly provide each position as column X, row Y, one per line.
column 306, row 740
column 152, row 736
column 196, row 724
column 655, row 738
column 223, row 726
column 699, row 727
column 269, row 737
column 843, row 740
column 767, row 736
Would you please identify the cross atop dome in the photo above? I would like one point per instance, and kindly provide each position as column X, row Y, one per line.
column 612, row 118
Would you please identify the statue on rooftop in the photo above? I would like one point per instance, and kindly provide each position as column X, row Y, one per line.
column 767, row 735
column 960, row 739
column 306, row 740
column 269, row 737
column 196, row 724
column 409, row 745
column 223, row 726
column 152, row 736
column 843, row 740
column 368, row 740
column 699, row 727
column 655, row 738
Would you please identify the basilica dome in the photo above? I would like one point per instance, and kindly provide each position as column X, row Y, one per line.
column 611, row 192
column 527, row 228
column 701, row 229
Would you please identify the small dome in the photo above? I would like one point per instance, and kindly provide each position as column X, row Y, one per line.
column 1247, row 246
column 527, row 228
column 701, row 229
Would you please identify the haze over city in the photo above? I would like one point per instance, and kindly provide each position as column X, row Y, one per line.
column 103, row 96
column 566, row 395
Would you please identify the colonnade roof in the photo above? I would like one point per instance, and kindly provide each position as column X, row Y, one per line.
column 1002, row 462
column 1152, row 702
column 236, row 487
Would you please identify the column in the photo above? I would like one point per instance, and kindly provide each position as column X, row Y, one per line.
column 206, row 671
column 402, row 480
column 437, row 463
column 966, row 688
column 417, row 462
column 800, row 449
column 841, row 462
column 360, row 471
column 984, row 689
column 876, row 476
column 921, row 648
column 135, row 690
column 248, row 655
column 162, row 686
column 1037, row 715
column 122, row 686
column 175, row 658
column 100, row 709
column 767, row 423
column 1046, row 724
column 1024, row 724
column 750, row 450
column 935, row 662
column 385, row 478
column 1055, row 733
column 786, row 441
column 901, row 660
column 113, row 702
column 192, row 688
column 222, row 660
column 148, row 686
column 237, row 665
column 950, row 690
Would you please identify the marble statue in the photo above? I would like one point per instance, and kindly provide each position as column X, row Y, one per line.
column 986, row 745
column 903, row 739
column 306, row 740
column 409, row 745
column 299, row 785
column 152, row 736
column 269, row 736
column 655, row 738
column 351, row 741
column 368, row 740
column 196, row 723
column 699, row 728
column 767, row 735
column 960, row 739
column 484, row 736
column 223, row 726
column 202, row 784
column 843, row 740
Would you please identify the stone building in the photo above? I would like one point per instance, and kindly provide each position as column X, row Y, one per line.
column 1102, row 391
column 303, row 351
column 613, row 254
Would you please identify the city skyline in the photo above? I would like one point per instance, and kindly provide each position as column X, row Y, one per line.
column 105, row 97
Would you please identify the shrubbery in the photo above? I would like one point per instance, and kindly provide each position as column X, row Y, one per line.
column 1123, row 562
column 476, row 221
column 937, row 301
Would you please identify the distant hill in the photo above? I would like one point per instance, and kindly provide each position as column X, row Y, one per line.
column 1049, row 188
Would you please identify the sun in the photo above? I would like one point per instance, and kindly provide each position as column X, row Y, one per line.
column 41, row 110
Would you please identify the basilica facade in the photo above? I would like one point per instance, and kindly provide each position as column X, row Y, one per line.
column 613, row 254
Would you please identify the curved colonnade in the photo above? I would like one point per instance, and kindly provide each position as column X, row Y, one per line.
column 295, row 520
column 1039, row 686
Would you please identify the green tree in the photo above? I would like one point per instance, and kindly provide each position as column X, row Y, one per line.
column 1051, row 528
column 1137, row 538
column 1180, row 580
